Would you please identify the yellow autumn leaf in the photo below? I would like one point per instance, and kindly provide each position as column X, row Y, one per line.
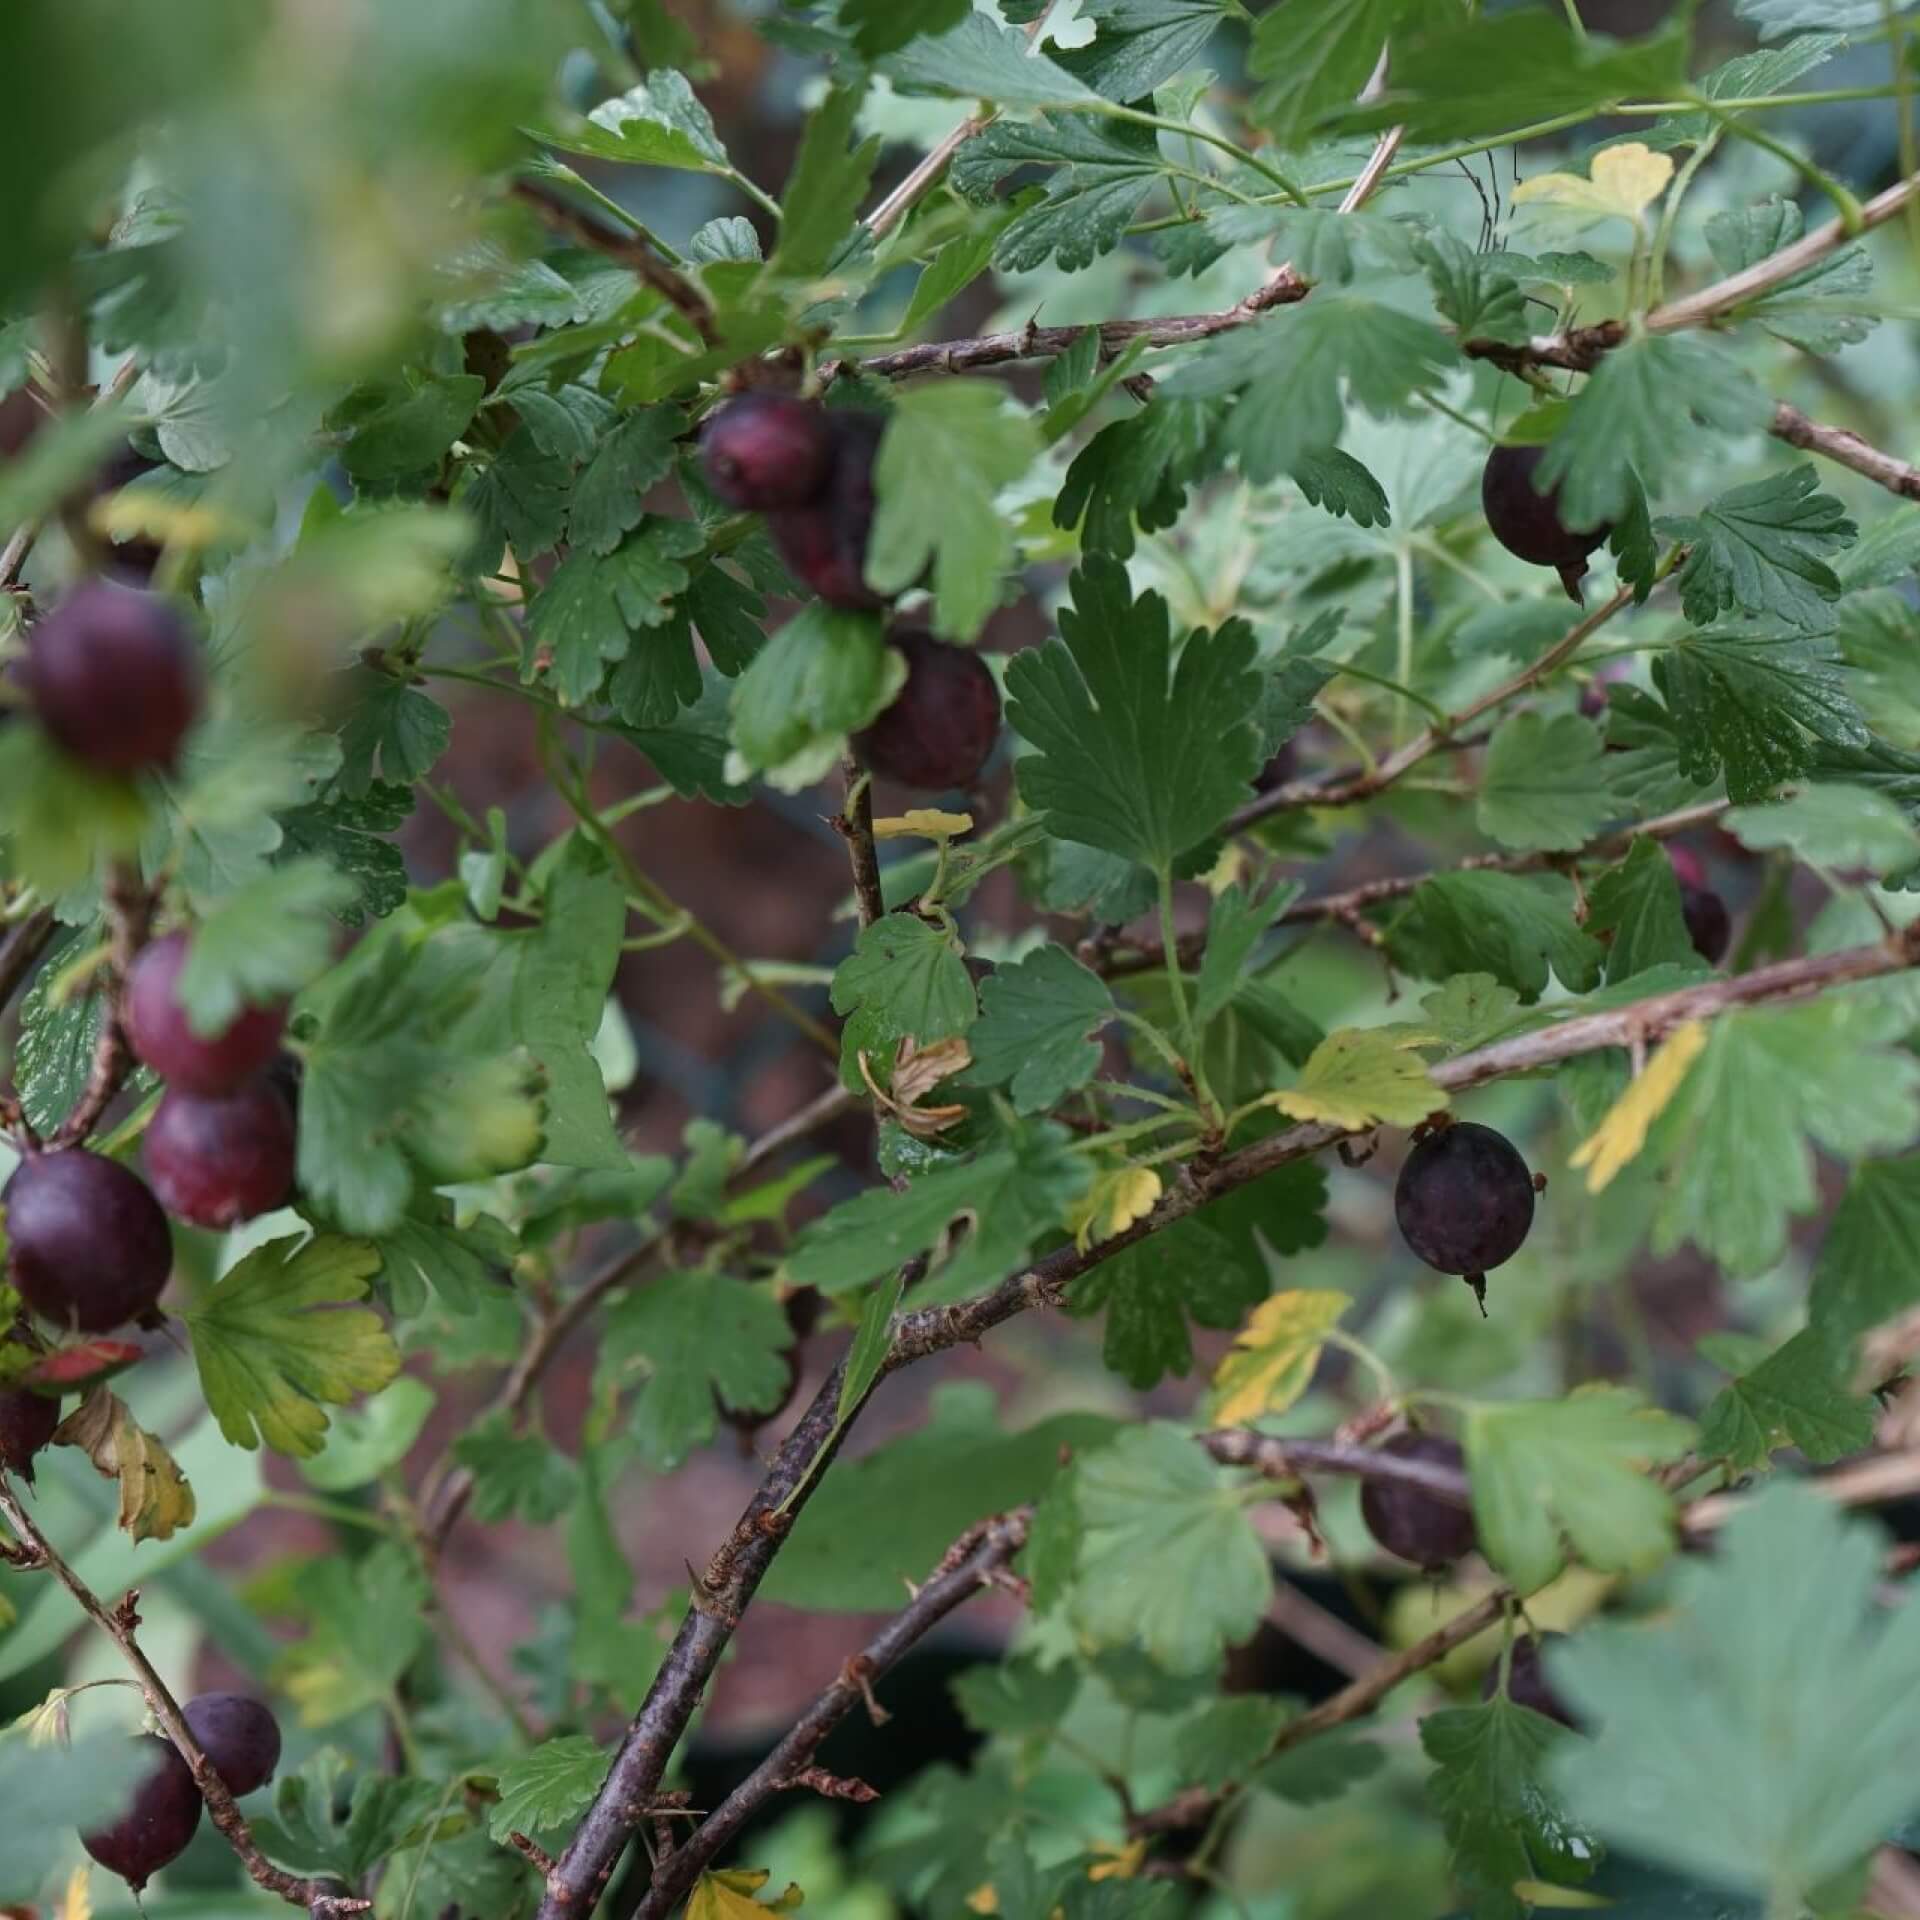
column 1275, row 1353
column 141, row 514
column 1113, row 1203
column 728, row 1895
column 155, row 1499
column 1362, row 1076
column 1118, row 1863
column 77, row 1902
column 1623, row 1132
column 1623, row 180
column 922, row 823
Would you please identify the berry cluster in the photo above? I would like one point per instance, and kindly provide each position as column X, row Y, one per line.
column 242, row 1740
column 810, row 471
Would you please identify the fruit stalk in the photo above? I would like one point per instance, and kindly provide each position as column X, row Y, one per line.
column 129, row 917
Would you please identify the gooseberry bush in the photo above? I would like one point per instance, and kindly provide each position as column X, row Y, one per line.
column 1340, row 578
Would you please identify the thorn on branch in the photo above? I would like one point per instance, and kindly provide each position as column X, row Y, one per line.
column 858, row 1674
column 831, row 1786
column 533, row 1851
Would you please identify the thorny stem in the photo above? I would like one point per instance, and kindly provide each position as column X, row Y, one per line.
column 120, row 1624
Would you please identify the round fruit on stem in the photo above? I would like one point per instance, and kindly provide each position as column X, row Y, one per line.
column 87, row 1244
column 1410, row 1523
column 944, row 722
column 27, row 1421
column 824, row 542
column 239, row 1735
column 1527, row 1680
column 1464, row 1201
column 766, row 450
column 159, row 1821
column 114, row 677
column 1527, row 522
column 164, row 1038
column 217, row 1159
column 1709, row 925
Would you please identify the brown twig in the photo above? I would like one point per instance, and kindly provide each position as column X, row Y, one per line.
column 21, row 950
column 627, row 250
column 129, row 918
column 790, row 1764
column 120, row 1624
column 1281, row 1459
column 1341, row 790
column 854, row 824
column 1847, row 449
column 736, row 1570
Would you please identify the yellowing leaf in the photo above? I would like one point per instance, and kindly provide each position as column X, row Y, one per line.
column 923, row 823
column 50, row 1723
column 919, row 1070
column 155, row 1498
column 145, row 515
column 276, row 1337
column 1362, row 1076
column 1275, row 1353
column 728, row 1895
column 1118, row 1863
column 1540, row 1893
column 1113, row 1203
column 983, row 1899
column 1620, row 1136
column 76, row 1903
column 1625, row 180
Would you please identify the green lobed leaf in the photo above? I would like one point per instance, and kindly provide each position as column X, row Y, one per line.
column 822, row 676
column 1757, row 550
column 1795, row 1397
column 1832, row 826
column 543, row 1789
column 1635, row 908
column 587, row 616
column 634, row 454
column 1573, row 1470
column 1315, row 55
column 699, row 1335
column 1126, row 760
column 1036, row 1032
column 949, row 448
column 1823, row 307
column 1544, row 783
column 1869, row 1267
column 981, row 60
column 1139, row 45
column 1137, row 471
column 261, row 944
column 824, row 191
column 1169, row 1560
column 905, row 978
column 658, row 123
column 276, row 1339
column 516, row 1474
column 1512, row 926
column 1150, row 1290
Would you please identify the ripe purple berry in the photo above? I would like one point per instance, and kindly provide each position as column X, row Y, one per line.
column 87, row 1244
column 217, row 1159
column 239, row 1735
column 159, row 1821
column 766, row 450
column 114, row 677
column 27, row 1421
column 163, row 1037
column 1527, row 523
column 1709, row 926
column 1464, row 1201
column 824, row 542
column 1410, row 1523
column 943, row 724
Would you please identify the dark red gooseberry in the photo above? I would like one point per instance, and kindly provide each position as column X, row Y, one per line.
column 239, row 1735
column 1411, row 1523
column 1527, row 523
column 942, row 725
column 1279, row 771
column 1464, row 1201
column 1527, row 1679
column 824, row 543
column 217, row 1159
column 27, row 1421
column 87, row 1244
column 1709, row 925
column 767, row 450
column 159, row 1821
column 114, row 677
column 164, row 1038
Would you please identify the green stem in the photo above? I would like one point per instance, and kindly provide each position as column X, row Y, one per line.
column 1670, row 213
column 1161, row 123
column 754, row 192
column 1814, row 175
column 1403, row 639
column 1420, row 700
column 615, row 211
column 1454, row 414
column 1125, row 1090
column 1135, row 1129
column 1158, row 1041
column 1177, row 989
column 337, row 1511
column 1578, row 25
column 1909, row 146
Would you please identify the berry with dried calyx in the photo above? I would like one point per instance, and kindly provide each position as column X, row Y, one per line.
column 1464, row 1201
column 27, row 1421
column 1408, row 1521
column 159, row 1821
column 87, row 1244
column 1527, row 1680
column 217, row 1159
column 165, row 1039
column 114, row 678
column 1527, row 522
column 943, row 724
column 239, row 1735
column 824, row 542
column 767, row 450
